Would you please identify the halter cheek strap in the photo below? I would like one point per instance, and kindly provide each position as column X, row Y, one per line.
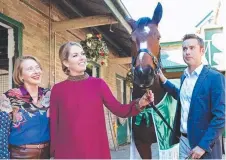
column 157, row 64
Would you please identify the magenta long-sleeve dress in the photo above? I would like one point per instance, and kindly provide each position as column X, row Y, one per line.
column 77, row 121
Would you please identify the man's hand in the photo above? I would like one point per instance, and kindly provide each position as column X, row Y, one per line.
column 197, row 152
column 161, row 76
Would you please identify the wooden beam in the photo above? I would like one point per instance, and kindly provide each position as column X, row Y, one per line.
column 83, row 22
column 115, row 11
column 126, row 60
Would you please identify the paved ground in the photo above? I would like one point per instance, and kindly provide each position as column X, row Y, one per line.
column 121, row 153
column 124, row 152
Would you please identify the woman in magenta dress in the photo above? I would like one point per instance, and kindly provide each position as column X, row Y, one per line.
column 77, row 121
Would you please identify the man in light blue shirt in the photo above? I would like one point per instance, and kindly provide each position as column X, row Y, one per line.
column 200, row 118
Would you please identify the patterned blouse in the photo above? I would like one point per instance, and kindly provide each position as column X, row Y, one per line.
column 28, row 123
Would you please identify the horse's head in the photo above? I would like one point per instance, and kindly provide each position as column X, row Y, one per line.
column 146, row 48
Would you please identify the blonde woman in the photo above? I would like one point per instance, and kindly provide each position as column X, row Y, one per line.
column 77, row 120
column 26, row 110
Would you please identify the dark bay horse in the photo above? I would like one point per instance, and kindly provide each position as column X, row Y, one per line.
column 146, row 62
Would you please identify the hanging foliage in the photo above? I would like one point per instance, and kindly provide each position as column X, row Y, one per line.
column 129, row 79
column 95, row 48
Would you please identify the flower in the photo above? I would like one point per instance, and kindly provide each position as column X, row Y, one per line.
column 45, row 100
column 95, row 48
column 89, row 36
column 18, row 117
column 88, row 44
column 99, row 36
column 5, row 104
column 102, row 53
column 15, row 93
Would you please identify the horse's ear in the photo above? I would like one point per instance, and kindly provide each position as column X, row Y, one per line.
column 157, row 16
column 131, row 22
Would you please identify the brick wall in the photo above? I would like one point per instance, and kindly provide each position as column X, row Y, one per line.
column 39, row 41
column 109, row 75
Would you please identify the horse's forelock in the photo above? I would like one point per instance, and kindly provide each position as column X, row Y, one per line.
column 143, row 29
column 142, row 22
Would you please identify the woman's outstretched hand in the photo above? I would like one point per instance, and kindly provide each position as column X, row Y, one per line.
column 146, row 99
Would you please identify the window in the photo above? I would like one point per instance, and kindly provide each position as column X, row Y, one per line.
column 121, row 89
column 10, row 49
column 7, row 45
column 4, row 62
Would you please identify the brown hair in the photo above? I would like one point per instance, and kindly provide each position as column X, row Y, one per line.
column 194, row 36
column 18, row 69
column 64, row 54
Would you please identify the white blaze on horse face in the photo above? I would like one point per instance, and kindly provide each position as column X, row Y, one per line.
column 141, row 54
column 143, row 45
column 146, row 29
column 143, row 60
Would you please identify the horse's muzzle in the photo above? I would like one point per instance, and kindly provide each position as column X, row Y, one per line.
column 144, row 76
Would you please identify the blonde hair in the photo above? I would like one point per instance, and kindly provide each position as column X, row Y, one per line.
column 64, row 54
column 18, row 68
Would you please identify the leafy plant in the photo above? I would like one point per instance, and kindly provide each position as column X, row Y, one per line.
column 95, row 48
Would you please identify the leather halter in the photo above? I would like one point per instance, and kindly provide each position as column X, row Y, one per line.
column 156, row 61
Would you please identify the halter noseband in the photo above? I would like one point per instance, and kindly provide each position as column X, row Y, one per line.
column 156, row 61
column 130, row 74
